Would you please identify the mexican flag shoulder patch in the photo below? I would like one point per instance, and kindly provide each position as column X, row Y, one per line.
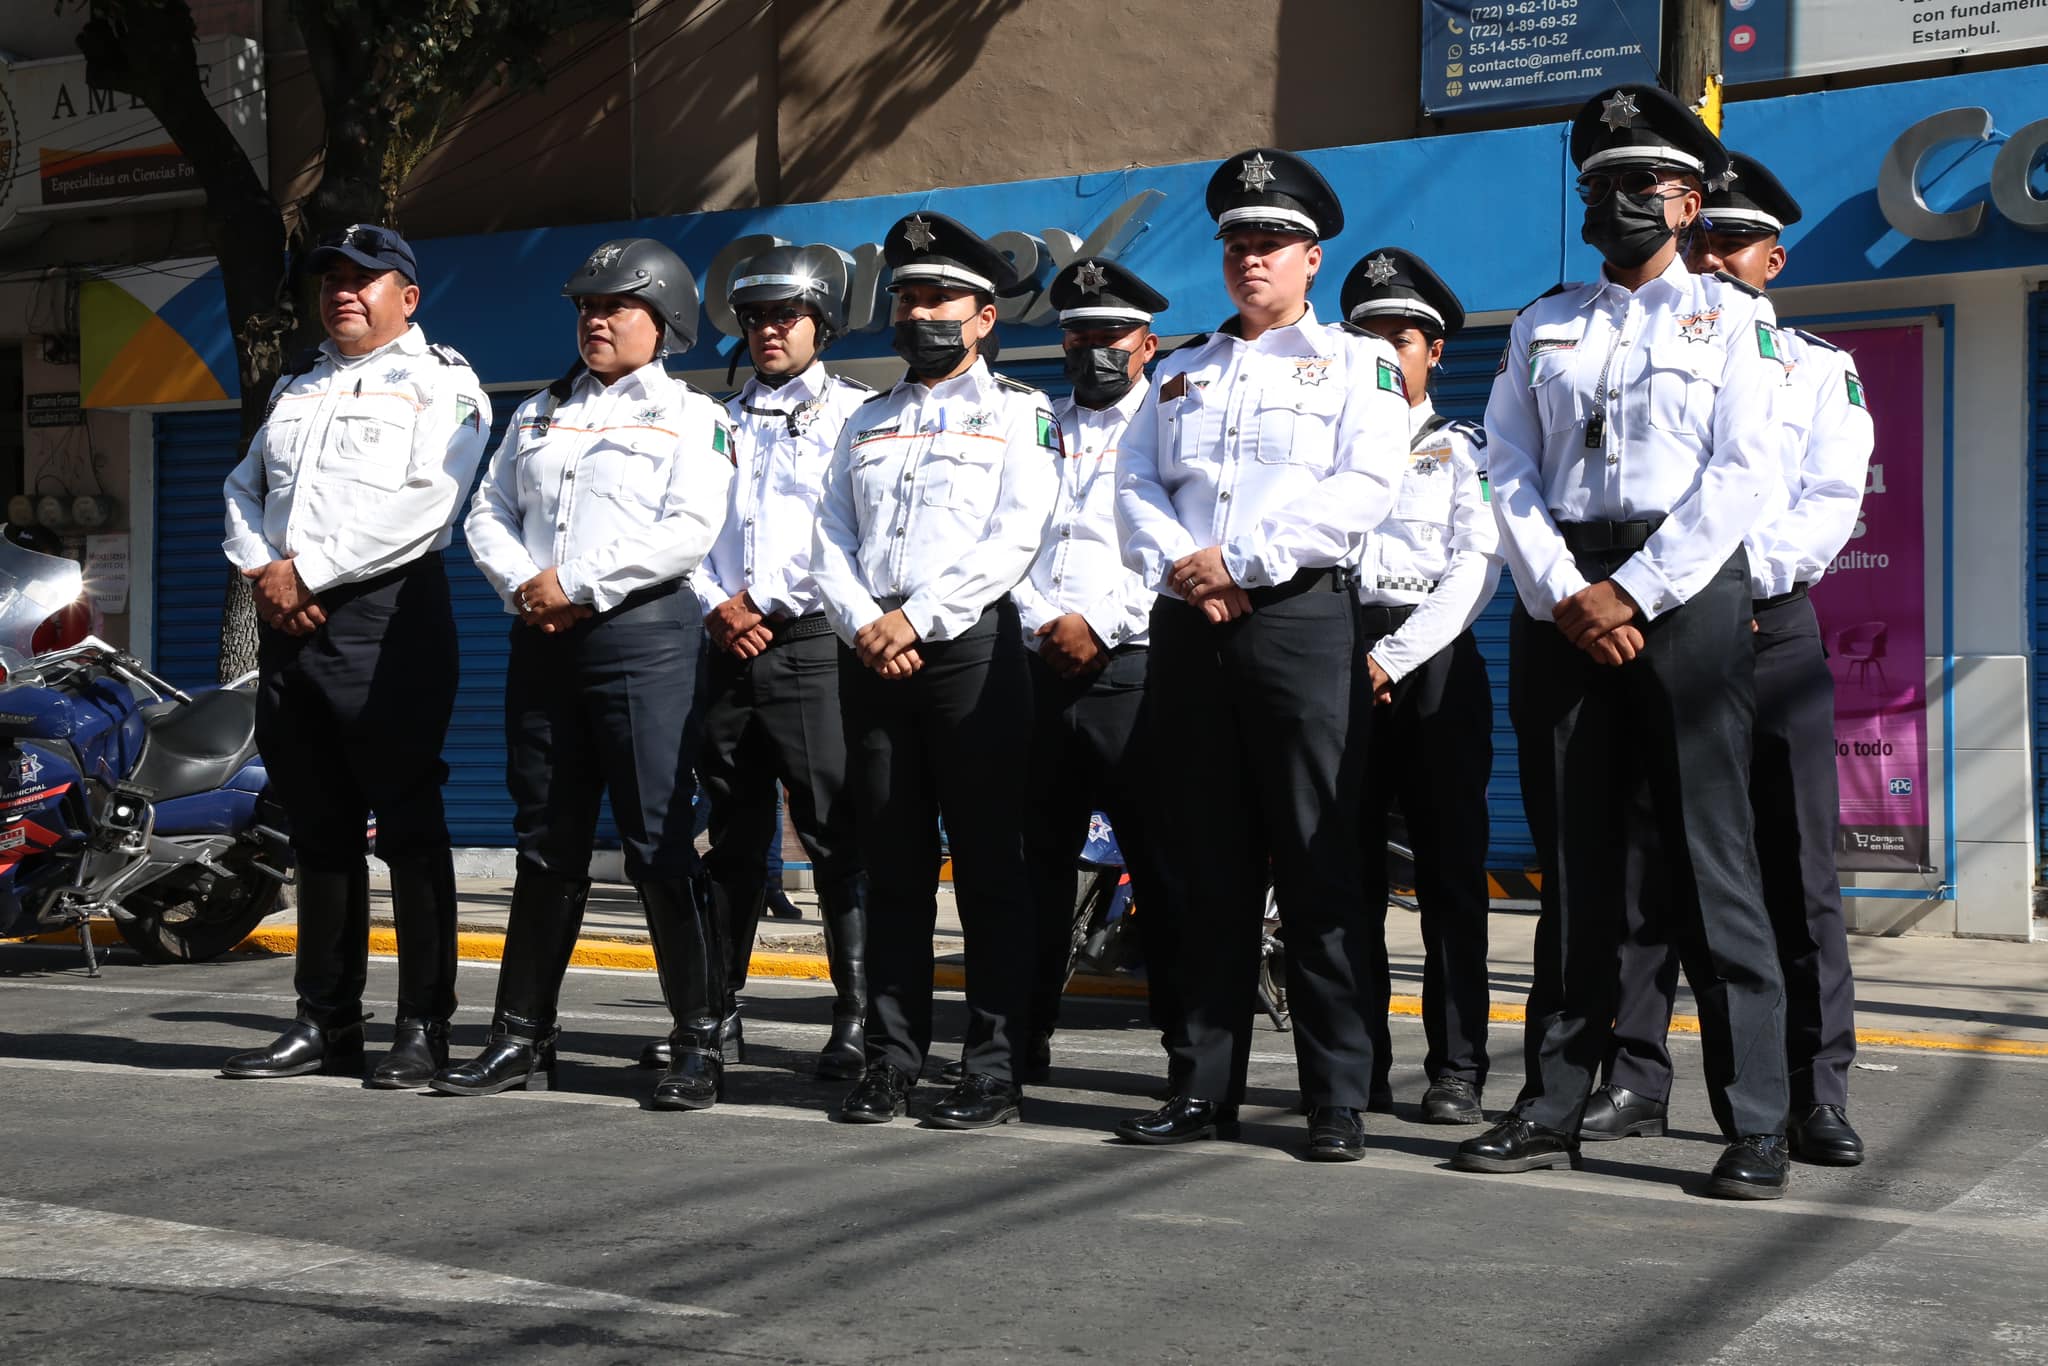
column 721, row 443
column 1767, row 343
column 1389, row 377
column 1854, row 384
column 1049, row 432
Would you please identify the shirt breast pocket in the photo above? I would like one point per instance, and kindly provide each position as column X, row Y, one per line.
column 1425, row 493
column 631, row 471
column 1684, row 379
column 956, row 478
column 281, row 441
column 370, row 449
column 1185, row 423
column 1552, row 381
column 1299, row 427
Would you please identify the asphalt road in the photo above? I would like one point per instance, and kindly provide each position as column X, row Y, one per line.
column 150, row 1212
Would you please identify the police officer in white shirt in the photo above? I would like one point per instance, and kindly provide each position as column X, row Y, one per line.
column 1247, row 483
column 603, row 496
column 1429, row 570
column 1633, row 437
column 771, row 669
column 338, row 515
column 1086, row 620
column 935, row 505
column 1792, row 785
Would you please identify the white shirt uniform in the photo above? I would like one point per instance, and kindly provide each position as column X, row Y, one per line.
column 939, row 495
column 1690, row 420
column 1081, row 568
column 361, row 465
column 1437, row 552
column 617, row 487
column 784, row 442
column 1284, row 451
column 1826, row 458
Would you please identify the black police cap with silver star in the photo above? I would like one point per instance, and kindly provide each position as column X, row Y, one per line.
column 1093, row 292
column 1392, row 283
column 932, row 249
column 1275, row 190
column 1751, row 201
column 1642, row 125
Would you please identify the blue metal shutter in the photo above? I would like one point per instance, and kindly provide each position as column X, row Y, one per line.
column 2037, row 351
column 1463, row 382
column 195, row 452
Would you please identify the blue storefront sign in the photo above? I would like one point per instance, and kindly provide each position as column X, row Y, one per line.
column 1533, row 54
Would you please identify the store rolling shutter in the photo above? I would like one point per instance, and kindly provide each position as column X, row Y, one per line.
column 194, row 454
column 1462, row 385
column 2037, row 340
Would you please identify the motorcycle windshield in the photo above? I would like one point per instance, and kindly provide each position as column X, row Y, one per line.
column 32, row 586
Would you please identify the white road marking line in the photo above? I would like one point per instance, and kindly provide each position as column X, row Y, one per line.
column 40, row 1242
column 1947, row 1279
column 1269, row 1123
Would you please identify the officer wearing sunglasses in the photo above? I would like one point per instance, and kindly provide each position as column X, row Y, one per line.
column 1634, row 439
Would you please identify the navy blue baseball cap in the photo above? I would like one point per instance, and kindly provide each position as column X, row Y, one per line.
column 370, row 246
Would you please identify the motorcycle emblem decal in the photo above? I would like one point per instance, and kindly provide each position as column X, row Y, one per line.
column 31, row 768
column 13, row 837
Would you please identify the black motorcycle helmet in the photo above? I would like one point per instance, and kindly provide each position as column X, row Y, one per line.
column 643, row 267
column 814, row 275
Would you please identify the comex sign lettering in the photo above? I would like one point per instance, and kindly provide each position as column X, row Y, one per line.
column 1905, row 205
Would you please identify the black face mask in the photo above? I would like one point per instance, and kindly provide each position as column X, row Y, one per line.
column 931, row 347
column 1626, row 229
column 1100, row 374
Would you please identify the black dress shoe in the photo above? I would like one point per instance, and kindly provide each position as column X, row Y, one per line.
column 306, row 1047
column 1336, row 1133
column 1826, row 1138
column 1034, row 1070
column 980, row 1102
column 1183, row 1119
column 883, row 1094
column 419, row 1048
column 695, row 1079
column 1452, row 1100
column 522, row 1062
column 1616, row 1112
column 1754, row 1167
column 1516, row 1145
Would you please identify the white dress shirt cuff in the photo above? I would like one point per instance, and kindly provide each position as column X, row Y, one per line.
column 316, row 570
column 1645, row 582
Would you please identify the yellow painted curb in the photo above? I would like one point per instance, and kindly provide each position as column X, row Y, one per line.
column 103, row 934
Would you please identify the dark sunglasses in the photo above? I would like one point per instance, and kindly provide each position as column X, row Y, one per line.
column 754, row 319
column 1595, row 188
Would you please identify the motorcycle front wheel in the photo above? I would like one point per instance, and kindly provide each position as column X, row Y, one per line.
column 198, row 915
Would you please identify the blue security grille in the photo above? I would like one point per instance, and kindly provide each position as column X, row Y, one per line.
column 194, row 453
column 2037, row 351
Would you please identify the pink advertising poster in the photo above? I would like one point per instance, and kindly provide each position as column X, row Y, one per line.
column 1872, row 610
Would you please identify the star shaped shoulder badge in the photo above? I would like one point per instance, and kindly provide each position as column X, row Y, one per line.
column 918, row 233
column 1255, row 173
column 1090, row 278
column 1380, row 269
column 649, row 415
column 978, row 423
column 1620, row 111
column 1702, row 326
column 1312, row 371
column 397, row 374
column 804, row 415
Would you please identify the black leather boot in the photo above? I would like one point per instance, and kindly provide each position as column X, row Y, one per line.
column 419, row 1049
column 690, row 956
column 333, row 1050
column 844, row 909
column 334, row 942
column 520, row 1056
column 423, row 914
column 540, row 935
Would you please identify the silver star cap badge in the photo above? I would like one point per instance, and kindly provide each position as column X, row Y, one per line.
column 1090, row 278
column 919, row 234
column 1721, row 183
column 1620, row 111
column 1255, row 173
column 1379, row 269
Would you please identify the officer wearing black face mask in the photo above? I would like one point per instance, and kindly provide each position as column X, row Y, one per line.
column 935, row 504
column 1086, row 621
column 1634, row 437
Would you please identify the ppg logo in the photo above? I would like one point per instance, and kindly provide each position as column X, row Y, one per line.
column 1901, row 787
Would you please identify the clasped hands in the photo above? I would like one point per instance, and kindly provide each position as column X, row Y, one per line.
column 1600, row 619
column 1202, row 580
column 738, row 627
column 282, row 599
column 544, row 605
column 888, row 645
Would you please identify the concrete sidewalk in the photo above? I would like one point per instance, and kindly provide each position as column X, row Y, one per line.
column 1971, row 994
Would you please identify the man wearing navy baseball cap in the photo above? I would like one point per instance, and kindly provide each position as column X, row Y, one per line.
column 338, row 515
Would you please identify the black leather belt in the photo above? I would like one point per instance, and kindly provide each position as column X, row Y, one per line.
column 799, row 628
column 1381, row 621
column 1329, row 579
column 640, row 597
column 1583, row 538
column 1783, row 599
column 348, row 592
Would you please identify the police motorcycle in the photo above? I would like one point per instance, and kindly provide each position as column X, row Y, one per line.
column 120, row 795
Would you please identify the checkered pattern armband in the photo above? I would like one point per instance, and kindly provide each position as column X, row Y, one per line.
column 1408, row 585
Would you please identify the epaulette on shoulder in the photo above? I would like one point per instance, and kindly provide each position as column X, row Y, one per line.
column 852, row 383
column 1745, row 286
column 447, row 355
column 1019, row 385
column 1474, row 432
column 872, row 398
column 1199, row 339
column 1554, row 289
column 690, row 388
column 1355, row 330
column 1811, row 340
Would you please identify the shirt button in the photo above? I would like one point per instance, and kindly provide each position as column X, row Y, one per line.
column 1614, row 460
column 1613, row 393
column 1233, row 431
column 568, row 474
column 1066, row 531
column 1223, row 497
column 1058, row 578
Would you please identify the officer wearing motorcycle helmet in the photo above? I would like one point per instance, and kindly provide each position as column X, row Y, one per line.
column 603, row 497
column 771, row 689
column 338, row 515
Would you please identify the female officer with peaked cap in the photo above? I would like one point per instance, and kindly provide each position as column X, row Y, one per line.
column 1245, row 488
column 1633, row 436
column 606, row 492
